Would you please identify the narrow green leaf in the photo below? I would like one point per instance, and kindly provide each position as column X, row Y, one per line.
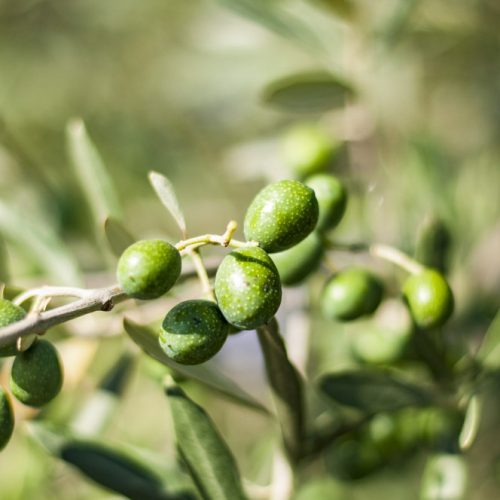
column 286, row 386
column 117, row 235
column 165, row 191
column 91, row 172
column 445, row 478
column 343, row 8
column 114, row 469
column 41, row 242
column 311, row 92
column 433, row 243
column 207, row 456
column 373, row 392
column 4, row 267
column 471, row 424
column 489, row 352
column 205, row 374
column 276, row 19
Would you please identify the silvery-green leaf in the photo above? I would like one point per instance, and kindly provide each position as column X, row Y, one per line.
column 118, row 237
column 489, row 352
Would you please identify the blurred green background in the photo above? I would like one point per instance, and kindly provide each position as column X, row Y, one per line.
column 186, row 89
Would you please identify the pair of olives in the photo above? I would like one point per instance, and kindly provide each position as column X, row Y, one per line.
column 36, row 376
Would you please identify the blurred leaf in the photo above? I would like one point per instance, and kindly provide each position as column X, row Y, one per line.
column 42, row 243
column 286, row 385
column 147, row 340
column 100, row 406
column 471, row 423
column 433, row 243
column 342, row 8
column 108, row 467
column 117, row 236
column 92, row 174
column 489, row 352
column 4, row 267
column 165, row 191
column 276, row 19
column 445, row 478
column 373, row 392
column 311, row 92
column 208, row 458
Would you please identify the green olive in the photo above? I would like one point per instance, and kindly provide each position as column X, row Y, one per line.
column 351, row 294
column 332, row 199
column 429, row 298
column 281, row 215
column 297, row 263
column 248, row 287
column 9, row 313
column 149, row 268
column 6, row 418
column 193, row 332
column 37, row 375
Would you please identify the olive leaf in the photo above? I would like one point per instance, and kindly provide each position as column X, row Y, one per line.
column 147, row 340
column 118, row 237
column 208, row 458
column 123, row 472
column 165, row 191
column 489, row 352
column 343, row 8
column 286, row 386
column 373, row 392
column 310, row 92
column 433, row 243
column 91, row 172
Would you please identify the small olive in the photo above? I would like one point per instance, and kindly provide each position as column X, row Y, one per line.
column 9, row 313
column 6, row 418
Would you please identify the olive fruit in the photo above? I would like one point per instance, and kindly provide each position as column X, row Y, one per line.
column 248, row 287
column 350, row 294
column 297, row 263
column 6, row 418
column 281, row 215
column 193, row 332
column 429, row 298
column 332, row 199
column 36, row 376
column 148, row 268
column 308, row 150
column 9, row 313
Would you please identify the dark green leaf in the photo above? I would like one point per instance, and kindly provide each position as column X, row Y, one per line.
column 342, row 8
column 147, row 340
column 117, row 236
column 286, row 385
column 373, row 392
column 445, row 478
column 209, row 460
column 489, row 352
column 4, row 263
column 92, row 174
column 312, row 92
column 433, row 243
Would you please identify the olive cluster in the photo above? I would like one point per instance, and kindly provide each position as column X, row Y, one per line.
column 36, row 375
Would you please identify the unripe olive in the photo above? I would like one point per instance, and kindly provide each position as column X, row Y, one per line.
column 193, row 332
column 297, row 263
column 6, row 419
column 350, row 294
column 9, row 313
column 308, row 150
column 429, row 298
column 149, row 268
column 248, row 287
column 36, row 376
column 281, row 215
column 332, row 199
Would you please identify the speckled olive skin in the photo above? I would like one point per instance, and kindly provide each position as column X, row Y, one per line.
column 307, row 150
column 281, row 215
column 351, row 294
column 429, row 298
column 193, row 332
column 149, row 268
column 332, row 199
column 6, row 419
column 248, row 287
column 9, row 313
column 36, row 377
column 297, row 263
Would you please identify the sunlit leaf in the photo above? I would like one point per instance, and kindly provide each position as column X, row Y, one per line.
column 286, row 385
column 489, row 352
column 91, row 172
column 445, row 478
column 312, row 92
column 471, row 423
column 208, row 458
column 117, row 236
column 165, row 191
column 373, row 392
column 205, row 374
